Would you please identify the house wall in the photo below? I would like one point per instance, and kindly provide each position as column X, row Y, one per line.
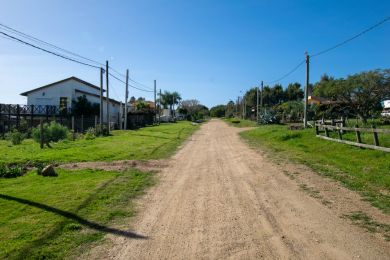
column 52, row 94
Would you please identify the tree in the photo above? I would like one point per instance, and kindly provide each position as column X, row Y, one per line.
column 82, row 106
column 194, row 109
column 218, row 111
column 230, row 107
column 359, row 94
column 277, row 94
column 169, row 99
column 294, row 92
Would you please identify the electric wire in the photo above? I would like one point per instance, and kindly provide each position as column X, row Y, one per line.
column 36, row 40
column 288, row 73
column 47, row 51
column 145, row 90
column 351, row 38
column 30, row 37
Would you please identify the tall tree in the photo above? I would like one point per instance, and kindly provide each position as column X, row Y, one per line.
column 294, row 92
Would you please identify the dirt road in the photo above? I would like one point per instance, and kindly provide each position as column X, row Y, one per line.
column 219, row 199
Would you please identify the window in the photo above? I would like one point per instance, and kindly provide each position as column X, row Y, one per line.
column 63, row 103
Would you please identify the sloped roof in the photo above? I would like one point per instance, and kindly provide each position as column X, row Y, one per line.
column 61, row 81
column 94, row 95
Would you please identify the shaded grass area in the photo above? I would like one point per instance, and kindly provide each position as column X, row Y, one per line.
column 237, row 122
column 58, row 217
column 366, row 171
column 143, row 144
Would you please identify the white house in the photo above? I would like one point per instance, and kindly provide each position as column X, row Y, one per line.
column 63, row 92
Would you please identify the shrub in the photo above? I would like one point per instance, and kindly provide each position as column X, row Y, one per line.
column 15, row 137
column 39, row 167
column 90, row 134
column 11, row 171
column 52, row 132
column 101, row 130
column 235, row 121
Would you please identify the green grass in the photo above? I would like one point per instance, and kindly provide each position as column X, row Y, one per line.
column 366, row 171
column 237, row 122
column 143, row 144
column 57, row 217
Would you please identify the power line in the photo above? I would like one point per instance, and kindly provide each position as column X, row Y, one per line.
column 145, row 90
column 287, row 74
column 50, row 52
column 132, row 80
column 9, row 29
column 352, row 38
column 36, row 40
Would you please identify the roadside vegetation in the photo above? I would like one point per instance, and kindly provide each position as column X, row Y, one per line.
column 59, row 217
column 46, row 218
column 142, row 144
column 363, row 170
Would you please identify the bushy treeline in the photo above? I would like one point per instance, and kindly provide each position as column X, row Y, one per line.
column 359, row 96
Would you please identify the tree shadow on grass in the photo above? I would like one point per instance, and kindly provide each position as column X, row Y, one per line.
column 74, row 217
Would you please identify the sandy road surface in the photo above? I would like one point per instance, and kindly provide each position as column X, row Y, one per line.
column 219, row 199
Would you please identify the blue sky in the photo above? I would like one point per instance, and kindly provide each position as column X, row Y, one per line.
column 206, row 50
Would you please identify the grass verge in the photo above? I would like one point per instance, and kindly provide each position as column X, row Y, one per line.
column 58, row 217
column 362, row 170
column 143, row 144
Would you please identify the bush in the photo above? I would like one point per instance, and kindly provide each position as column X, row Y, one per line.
column 11, row 171
column 15, row 137
column 101, row 130
column 52, row 132
column 90, row 134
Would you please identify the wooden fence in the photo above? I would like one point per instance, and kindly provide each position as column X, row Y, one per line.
column 340, row 130
column 11, row 116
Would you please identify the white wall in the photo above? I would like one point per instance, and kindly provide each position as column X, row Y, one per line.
column 52, row 94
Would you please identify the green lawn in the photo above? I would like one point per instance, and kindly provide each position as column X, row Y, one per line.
column 143, row 144
column 363, row 170
column 56, row 217
column 237, row 122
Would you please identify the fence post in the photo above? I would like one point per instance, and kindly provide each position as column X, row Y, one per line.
column 326, row 131
column 32, row 116
column 317, row 131
column 358, row 138
column 41, row 131
column 9, row 117
column 82, row 123
column 376, row 140
column 47, row 113
column 340, row 133
column 73, row 133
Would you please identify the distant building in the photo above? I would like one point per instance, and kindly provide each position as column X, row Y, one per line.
column 63, row 92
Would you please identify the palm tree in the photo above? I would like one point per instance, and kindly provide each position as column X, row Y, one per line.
column 169, row 99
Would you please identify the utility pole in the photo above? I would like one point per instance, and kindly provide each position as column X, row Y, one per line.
column 243, row 107
column 155, row 100
column 306, row 90
column 101, row 99
column 159, row 109
column 257, row 104
column 126, row 97
column 107, row 100
column 261, row 95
